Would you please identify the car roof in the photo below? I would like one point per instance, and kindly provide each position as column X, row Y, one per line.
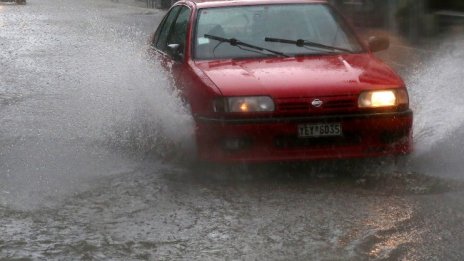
column 220, row 3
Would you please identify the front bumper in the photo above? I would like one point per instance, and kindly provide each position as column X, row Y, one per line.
column 276, row 139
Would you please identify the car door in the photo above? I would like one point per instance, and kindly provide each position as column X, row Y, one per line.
column 173, row 30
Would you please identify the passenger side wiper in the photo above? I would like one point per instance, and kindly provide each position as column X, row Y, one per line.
column 235, row 42
column 304, row 43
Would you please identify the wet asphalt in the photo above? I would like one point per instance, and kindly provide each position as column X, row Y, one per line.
column 92, row 160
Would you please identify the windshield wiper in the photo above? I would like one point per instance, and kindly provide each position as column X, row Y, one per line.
column 305, row 43
column 238, row 43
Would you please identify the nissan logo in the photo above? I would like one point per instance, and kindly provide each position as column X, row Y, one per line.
column 317, row 103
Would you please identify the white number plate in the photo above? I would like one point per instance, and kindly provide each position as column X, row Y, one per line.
column 319, row 130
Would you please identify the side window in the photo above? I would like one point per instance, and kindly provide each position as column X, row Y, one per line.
column 163, row 31
column 178, row 33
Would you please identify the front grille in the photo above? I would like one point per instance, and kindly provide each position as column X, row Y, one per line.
column 347, row 103
column 329, row 104
column 293, row 106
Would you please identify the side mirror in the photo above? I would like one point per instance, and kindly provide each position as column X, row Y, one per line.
column 175, row 52
column 378, row 43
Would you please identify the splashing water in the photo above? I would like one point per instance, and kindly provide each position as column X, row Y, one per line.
column 80, row 89
column 437, row 95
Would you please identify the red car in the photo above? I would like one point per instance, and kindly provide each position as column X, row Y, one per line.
column 279, row 80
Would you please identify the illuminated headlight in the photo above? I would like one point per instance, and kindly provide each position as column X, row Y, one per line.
column 384, row 98
column 244, row 104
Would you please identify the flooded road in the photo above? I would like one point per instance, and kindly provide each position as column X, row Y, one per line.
column 93, row 141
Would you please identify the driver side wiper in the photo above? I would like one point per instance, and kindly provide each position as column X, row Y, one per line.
column 304, row 43
column 235, row 42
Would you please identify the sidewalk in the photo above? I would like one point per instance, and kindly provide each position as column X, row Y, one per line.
column 135, row 3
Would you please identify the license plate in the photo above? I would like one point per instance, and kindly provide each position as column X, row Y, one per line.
column 319, row 130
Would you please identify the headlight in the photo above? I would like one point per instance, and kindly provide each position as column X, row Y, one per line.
column 244, row 104
column 384, row 98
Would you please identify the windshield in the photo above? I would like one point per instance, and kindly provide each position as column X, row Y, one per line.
column 255, row 25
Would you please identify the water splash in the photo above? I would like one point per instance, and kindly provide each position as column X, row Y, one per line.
column 80, row 86
column 437, row 96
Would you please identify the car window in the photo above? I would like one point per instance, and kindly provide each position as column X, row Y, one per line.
column 329, row 29
column 178, row 33
column 162, row 34
column 252, row 24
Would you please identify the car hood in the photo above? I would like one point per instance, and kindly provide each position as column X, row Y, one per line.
column 300, row 76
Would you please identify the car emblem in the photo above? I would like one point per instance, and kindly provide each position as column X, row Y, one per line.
column 317, row 103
